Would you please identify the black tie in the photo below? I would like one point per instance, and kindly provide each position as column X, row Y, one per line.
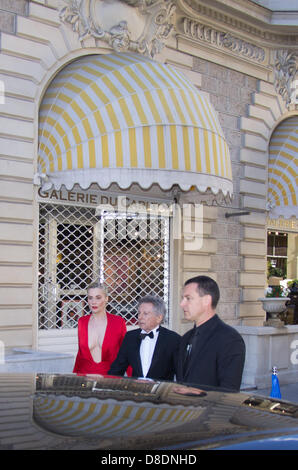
column 151, row 334
column 143, row 335
column 192, row 340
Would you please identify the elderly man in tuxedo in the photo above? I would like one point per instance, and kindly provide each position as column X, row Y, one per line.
column 151, row 350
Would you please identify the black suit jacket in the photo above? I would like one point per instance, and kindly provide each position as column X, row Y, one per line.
column 216, row 359
column 164, row 359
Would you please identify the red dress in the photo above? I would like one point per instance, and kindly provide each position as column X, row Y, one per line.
column 115, row 332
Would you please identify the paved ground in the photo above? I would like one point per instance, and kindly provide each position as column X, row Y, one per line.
column 288, row 392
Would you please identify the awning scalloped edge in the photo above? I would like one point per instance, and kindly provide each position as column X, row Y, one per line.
column 166, row 179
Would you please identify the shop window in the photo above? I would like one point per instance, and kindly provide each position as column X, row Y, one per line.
column 76, row 246
column 277, row 248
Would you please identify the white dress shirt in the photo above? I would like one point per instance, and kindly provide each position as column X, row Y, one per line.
column 147, row 349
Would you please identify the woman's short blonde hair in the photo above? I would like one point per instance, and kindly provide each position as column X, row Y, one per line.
column 98, row 285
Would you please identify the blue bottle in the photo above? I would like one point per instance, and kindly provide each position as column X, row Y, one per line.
column 275, row 389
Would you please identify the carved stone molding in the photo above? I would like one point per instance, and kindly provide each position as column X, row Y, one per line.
column 126, row 25
column 285, row 71
column 221, row 39
column 230, row 19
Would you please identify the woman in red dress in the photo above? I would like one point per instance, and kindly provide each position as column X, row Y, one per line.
column 100, row 334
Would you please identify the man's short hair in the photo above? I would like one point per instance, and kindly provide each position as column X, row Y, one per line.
column 206, row 286
column 159, row 306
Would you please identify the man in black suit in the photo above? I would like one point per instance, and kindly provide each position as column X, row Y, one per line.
column 212, row 353
column 150, row 350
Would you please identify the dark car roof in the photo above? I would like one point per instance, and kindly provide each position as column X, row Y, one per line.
column 68, row 411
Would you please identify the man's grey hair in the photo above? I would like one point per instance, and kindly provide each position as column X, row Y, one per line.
column 159, row 306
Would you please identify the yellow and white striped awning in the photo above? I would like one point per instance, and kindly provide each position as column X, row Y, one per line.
column 282, row 169
column 76, row 416
column 124, row 118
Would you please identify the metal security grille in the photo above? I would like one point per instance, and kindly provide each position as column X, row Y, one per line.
column 130, row 253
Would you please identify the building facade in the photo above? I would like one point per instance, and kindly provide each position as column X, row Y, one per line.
column 140, row 222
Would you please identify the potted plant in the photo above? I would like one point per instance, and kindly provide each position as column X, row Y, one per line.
column 274, row 303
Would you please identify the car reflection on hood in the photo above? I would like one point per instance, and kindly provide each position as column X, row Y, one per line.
column 69, row 411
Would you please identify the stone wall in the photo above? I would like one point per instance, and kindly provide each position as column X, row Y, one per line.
column 269, row 347
column 231, row 93
column 9, row 9
column 16, row 189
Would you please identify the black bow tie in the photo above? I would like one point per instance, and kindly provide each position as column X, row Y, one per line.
column 151, row 334
column 143, row 335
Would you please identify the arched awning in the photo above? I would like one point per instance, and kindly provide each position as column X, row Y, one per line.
column 123, row 118
column 282, row 170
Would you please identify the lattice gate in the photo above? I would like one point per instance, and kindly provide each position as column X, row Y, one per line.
column 129, row 252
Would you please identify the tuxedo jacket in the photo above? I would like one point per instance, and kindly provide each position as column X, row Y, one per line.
column 164, row 360
column 216, row 358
